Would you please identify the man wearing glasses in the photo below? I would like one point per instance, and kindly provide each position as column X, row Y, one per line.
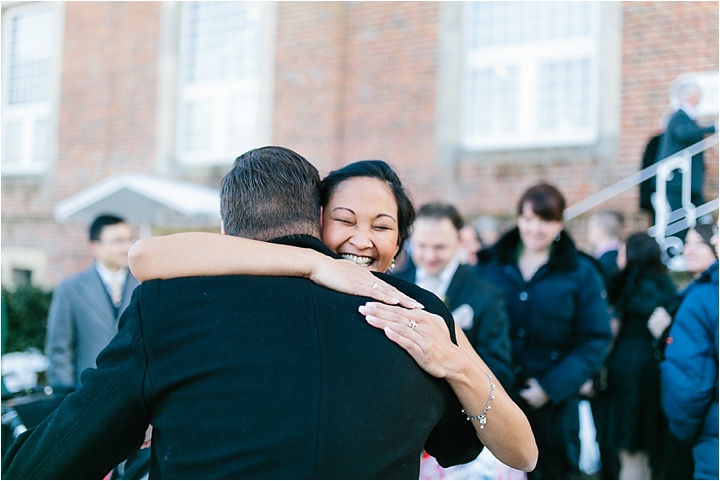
column 85, row 309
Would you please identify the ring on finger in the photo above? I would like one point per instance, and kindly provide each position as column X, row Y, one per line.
column 374, row 286
column 412, row 324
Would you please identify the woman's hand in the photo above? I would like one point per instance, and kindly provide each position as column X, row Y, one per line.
column 345, row 276
column 423, row 335
column 534, row 394
column 658, row 322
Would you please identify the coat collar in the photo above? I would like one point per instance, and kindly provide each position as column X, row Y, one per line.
column 563, row 253
column 307, row 241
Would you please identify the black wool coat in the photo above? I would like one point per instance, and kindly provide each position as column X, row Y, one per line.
column 251, row 377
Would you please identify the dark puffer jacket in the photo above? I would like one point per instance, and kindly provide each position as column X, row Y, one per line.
column 690, row 373
column 560, row 327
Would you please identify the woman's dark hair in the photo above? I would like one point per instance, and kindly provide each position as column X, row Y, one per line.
column 374, row 169
column 545, row 201
column 643, row 252
column 642, row 260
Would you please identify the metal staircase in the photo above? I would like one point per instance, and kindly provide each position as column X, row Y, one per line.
column 666, row 223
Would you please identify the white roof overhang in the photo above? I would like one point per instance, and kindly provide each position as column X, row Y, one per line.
column 144, row 199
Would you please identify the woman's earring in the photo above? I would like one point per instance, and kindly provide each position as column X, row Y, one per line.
column 392, row 265
column 557, row 237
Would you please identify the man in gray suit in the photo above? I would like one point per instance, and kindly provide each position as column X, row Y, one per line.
column 85, row 309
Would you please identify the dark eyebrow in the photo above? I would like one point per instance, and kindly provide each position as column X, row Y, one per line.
column 344, row 208
column 388, row 215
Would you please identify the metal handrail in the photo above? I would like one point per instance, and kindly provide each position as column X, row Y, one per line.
column 632, row 180
column 666, row 223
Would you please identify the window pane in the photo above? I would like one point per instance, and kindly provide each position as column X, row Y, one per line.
column 493, row 100
column 222, row 41
column 30, row 57
column 497, row 24
column 564, row 95
column 221, row 45
column 42, row 138
column 529, row 74
column 197, row 126
column 12, row 142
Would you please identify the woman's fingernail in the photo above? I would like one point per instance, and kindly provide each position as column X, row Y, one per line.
column 363, row 309
column 371, row 319
column 418, row 305
column 395, row 301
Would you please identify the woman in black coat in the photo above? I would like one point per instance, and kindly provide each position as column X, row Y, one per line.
column 559, row 324
column 634, row 420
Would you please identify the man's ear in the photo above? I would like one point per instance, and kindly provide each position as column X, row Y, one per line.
column 222, row 228
column 321, row 217
column 92, row 245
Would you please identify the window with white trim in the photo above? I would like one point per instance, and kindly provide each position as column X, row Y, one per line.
column 30, row 65
column 219, row 92
column 530, row 75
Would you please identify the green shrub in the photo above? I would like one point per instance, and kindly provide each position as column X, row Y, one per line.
column 25, row 312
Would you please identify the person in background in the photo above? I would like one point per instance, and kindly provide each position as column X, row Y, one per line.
column 477, row 307
column 700, row 255
column 85, row 309
column 488, row 230
column 690, row 370
column 604, row 234
column 559, row 324
column 468, row 245
column 683, row 131
column 633, row 420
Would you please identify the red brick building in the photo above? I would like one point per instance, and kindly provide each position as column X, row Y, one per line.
column 471, row 102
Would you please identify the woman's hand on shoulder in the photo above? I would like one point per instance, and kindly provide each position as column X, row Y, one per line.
column 423, row 335
column 346, row 276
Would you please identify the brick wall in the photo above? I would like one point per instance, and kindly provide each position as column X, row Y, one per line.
column 106, row 126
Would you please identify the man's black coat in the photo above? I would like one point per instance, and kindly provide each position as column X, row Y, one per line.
column 251, row 377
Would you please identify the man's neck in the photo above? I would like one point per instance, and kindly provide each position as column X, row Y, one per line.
column 105, row 269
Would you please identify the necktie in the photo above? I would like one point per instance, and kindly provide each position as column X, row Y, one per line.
column 116, row 286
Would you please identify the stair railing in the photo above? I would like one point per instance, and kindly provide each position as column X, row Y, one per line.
column 666, row 223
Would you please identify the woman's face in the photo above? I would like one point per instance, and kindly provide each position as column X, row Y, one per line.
column 698, row 255
column 360, row 223
column 536, row 233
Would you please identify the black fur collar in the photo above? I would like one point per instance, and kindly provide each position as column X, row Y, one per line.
column 563, row 254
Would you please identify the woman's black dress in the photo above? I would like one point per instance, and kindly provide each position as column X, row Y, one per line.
column 635, row 419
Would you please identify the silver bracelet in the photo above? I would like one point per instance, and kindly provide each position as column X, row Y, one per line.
column 482, row 417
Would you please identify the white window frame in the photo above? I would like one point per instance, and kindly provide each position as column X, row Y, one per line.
column 29, row 114
column 218, row 94
column 527, row 58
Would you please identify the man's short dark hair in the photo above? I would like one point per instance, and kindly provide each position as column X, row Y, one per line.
column 439, row 211
column 100, row 222
column 270, row 192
